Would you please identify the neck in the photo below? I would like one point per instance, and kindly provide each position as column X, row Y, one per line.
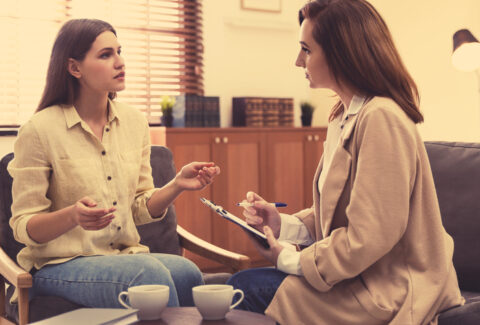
column 92, row 107
column 345, row 98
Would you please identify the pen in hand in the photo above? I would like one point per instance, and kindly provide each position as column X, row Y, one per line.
column 247, row 204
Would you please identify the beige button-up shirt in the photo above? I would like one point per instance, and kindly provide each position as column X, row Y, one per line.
column 58, row 160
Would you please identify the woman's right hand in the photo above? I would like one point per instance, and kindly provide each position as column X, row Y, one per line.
column 90, row 218
column 261, row 213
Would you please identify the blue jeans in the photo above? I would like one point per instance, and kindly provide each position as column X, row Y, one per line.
column 96, row 281
column 259, row 286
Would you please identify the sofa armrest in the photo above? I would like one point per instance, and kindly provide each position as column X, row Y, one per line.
column 203, row 248
column 14, row 273
column 19, row 278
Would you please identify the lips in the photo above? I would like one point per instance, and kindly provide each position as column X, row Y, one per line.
column 120, row 75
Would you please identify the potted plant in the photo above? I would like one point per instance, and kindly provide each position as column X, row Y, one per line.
column 307, row 113
column 167, row 104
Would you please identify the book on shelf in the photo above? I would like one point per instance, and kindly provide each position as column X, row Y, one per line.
column 93, row 316
column 262, row 111
column 192, row 110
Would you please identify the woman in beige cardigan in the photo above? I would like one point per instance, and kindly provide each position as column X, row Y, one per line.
column 376, row 251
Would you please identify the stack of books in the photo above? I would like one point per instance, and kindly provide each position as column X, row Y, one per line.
column 196, row 111
column 262, row 111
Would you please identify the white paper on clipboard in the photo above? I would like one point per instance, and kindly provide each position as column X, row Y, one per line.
column 262, row 239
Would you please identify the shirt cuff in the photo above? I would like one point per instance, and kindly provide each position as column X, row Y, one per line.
column 293, row 230
column 289, row 262
column 141, row 215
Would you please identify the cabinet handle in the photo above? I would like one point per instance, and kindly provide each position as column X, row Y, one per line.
column 217, row 140
column 309, row 137
column 316, row 137
column 225, row 140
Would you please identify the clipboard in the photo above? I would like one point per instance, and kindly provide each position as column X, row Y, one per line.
column 254, row 233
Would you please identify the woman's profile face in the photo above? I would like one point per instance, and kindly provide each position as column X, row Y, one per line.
column 103, row 68
column 312, row 59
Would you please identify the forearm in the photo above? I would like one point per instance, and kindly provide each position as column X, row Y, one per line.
column 163, row 198
column 45, row 227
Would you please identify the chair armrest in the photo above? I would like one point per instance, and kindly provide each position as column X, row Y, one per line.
column 14, row 273
column 203, row 248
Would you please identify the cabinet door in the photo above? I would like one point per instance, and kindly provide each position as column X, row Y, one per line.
column 188, row 146
column 293, row 156
column 313, row 152
column 239, row 155
column 285, row 169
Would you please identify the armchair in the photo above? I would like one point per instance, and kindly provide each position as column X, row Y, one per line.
column 164, row 236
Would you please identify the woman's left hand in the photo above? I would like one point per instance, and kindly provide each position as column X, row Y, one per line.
column 196, row 175
column 270, row 254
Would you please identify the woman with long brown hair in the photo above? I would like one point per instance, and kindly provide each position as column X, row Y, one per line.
column 376, row 250
column 82, row 181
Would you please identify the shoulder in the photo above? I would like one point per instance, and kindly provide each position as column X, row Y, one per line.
column 43, row 121
column 128, row 113
column 385, row 111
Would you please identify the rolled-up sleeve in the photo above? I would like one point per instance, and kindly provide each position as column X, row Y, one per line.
column 145, row 188
column 30, row 171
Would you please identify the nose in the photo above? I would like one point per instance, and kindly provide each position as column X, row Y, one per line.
column 119, row 62
column 300, row 62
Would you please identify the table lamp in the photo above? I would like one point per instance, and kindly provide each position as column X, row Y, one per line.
column 466, row 51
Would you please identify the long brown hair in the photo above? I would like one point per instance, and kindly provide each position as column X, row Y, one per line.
column 74, row 40
column 360, row 52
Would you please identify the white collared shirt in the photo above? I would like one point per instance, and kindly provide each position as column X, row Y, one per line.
column 292, row 230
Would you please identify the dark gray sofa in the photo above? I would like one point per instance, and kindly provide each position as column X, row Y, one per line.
column 456, row 172
column 162, row 237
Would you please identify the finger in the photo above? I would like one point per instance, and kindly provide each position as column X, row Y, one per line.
column 199, row 165
column 89, row 202
column 264, row 205
column 253, row 219
column 252, row 196
column 270, row 237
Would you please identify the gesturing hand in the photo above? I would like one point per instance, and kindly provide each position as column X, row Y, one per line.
column 90, row 218
column 196, row 175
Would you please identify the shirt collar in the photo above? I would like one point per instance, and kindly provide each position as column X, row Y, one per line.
column 72, row 118
column 355, row 105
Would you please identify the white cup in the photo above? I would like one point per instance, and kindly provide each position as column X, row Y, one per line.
column 213, row 301
column 150, row 300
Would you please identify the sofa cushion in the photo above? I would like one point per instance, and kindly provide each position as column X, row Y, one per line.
column 161, row 236
column 456, row 172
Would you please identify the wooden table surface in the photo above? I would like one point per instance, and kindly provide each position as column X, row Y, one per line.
column 191, row 316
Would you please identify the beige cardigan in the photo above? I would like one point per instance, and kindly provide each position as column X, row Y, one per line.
column 381, row 254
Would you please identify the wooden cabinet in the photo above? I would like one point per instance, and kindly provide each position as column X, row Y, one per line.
column 277, row 163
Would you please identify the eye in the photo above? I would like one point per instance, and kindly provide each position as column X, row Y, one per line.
column 304, row 49
column 119, row 51
column 105, row 55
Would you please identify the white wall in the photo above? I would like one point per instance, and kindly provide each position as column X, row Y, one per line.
column 252, row 54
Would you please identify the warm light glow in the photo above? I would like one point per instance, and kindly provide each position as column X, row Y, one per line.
column 467, row 57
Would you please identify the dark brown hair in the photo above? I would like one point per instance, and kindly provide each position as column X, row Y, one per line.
column 74, row 40
column 360, row 52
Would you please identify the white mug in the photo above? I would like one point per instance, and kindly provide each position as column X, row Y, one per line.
column 150, row 300
column 213, row 301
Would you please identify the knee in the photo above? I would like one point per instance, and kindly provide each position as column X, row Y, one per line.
column 149, row 271
column 186, row 269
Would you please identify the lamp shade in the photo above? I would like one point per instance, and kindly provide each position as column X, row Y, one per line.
column 466, row 51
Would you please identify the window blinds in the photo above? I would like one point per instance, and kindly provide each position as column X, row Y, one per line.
column 161, row 43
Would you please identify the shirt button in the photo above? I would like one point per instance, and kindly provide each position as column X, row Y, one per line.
column 114, row 202
column 118, row 228
column 346, row 118
column 107, row 129
column 109, row 178
column 341, row 126
column 111, row 244
column 104, row 152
